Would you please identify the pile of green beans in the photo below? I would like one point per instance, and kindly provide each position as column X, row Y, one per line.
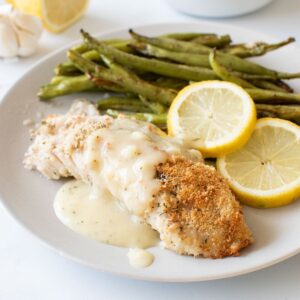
column 144, row 74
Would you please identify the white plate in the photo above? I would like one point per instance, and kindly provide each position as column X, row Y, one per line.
column 29, row 197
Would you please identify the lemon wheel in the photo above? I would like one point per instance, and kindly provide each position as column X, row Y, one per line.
column 266, row 171
column 216, row 117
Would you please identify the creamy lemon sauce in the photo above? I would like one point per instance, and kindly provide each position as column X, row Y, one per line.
column 140, row 258
column 120, row 163
column 101, row 217
column 123, row 158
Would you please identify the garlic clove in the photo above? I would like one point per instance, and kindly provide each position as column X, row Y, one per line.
column 9, row 41
column 27, row 43
column 26, row 22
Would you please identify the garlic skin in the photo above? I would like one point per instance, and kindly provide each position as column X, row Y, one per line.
column 19, row 34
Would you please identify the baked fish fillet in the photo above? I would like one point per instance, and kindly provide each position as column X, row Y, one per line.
column 156, row 178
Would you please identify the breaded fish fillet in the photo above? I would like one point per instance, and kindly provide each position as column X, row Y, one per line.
column 201, row 214
column 161, row 182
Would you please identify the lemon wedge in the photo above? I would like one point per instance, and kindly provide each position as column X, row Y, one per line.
column 216, row 117
column 266, row 171
column 56, row 15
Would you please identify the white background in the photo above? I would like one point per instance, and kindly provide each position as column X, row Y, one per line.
column 28, row 270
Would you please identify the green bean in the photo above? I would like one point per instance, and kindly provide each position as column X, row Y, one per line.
column 68, row 67
column 91, row 55
column 255, row 49
column 151, row 65
column 68, row 85
column 187, row 36
column 136, row 85
column 284, row 85
column 231, row 61
column 273, row 97
column 278, row 86
column 213, row 41
column 208, row 39
column 200, row 60
column 287, row 112
column 259, row 95
column 172, row 83
column 204, row 38
column 131, row 104
column 58, row 79
column 122, row 103
column 171, row 44
column 153, row 83
column 157, row 119
column 224, row 74
column 96, row 73
column 155, row 107
column 118, row 43
column 125, row 78
column 162, row 67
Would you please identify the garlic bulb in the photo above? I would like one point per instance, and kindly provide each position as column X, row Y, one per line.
column 19, row 34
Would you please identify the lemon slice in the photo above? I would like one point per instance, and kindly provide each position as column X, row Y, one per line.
column 56, row 15
column 266, row 171
column 216, row 117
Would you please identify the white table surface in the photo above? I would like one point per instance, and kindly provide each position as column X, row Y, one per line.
column 30, row 271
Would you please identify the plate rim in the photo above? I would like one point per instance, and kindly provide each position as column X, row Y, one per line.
column 85, row 263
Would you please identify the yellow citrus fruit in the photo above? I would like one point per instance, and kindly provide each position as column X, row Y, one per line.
column 266, row 171
column 56, row 15
column 216, row 117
